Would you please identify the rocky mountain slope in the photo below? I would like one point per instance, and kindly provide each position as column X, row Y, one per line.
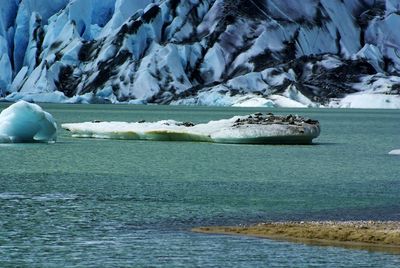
column 332, row 53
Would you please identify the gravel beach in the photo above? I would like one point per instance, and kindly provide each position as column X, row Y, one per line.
column 371, row 235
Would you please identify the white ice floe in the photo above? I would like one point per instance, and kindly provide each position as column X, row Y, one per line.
column 395, row 152
column 26, row 122
column 252, row 129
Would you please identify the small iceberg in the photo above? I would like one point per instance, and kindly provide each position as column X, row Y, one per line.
column 395, row 152
column 26, row 122
column 252, row 129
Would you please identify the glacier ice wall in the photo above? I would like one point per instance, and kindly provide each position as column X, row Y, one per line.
column 211, row 52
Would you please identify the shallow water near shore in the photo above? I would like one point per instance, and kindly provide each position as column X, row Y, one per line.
column 87, row 202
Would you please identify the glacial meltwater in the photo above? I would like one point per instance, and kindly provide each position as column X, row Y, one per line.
column 113, row 203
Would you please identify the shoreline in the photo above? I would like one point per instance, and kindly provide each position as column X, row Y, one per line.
column 366, row 235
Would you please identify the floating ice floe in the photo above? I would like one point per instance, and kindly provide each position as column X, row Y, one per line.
column 26, row 122
column 395, row 152
column 251, row 129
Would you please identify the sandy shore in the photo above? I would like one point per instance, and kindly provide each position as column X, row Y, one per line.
column 371, row 235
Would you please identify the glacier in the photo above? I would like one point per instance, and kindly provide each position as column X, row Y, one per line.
column 27, row 122
column 251, row 129
column 272, row 53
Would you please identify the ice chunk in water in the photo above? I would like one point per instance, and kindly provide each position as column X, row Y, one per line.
column 257, row 128
column 395, row 152
column 27, row 122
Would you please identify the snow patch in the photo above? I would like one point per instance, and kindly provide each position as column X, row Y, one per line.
column 368, row 101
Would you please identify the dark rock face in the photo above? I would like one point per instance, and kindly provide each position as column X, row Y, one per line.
column 269, row 119
column 321, row 84
column 68, row 82
column 174, row 50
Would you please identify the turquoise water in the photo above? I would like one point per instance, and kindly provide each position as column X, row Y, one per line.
column 85, row 202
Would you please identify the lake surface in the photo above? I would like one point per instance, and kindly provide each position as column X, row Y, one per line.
column 113, row 203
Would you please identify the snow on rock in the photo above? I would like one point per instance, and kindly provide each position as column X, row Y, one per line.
column 256, row 129
column 368, row 101
column 378, row 83
column 26, row 122
column 373, row 91
column 309, row 53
